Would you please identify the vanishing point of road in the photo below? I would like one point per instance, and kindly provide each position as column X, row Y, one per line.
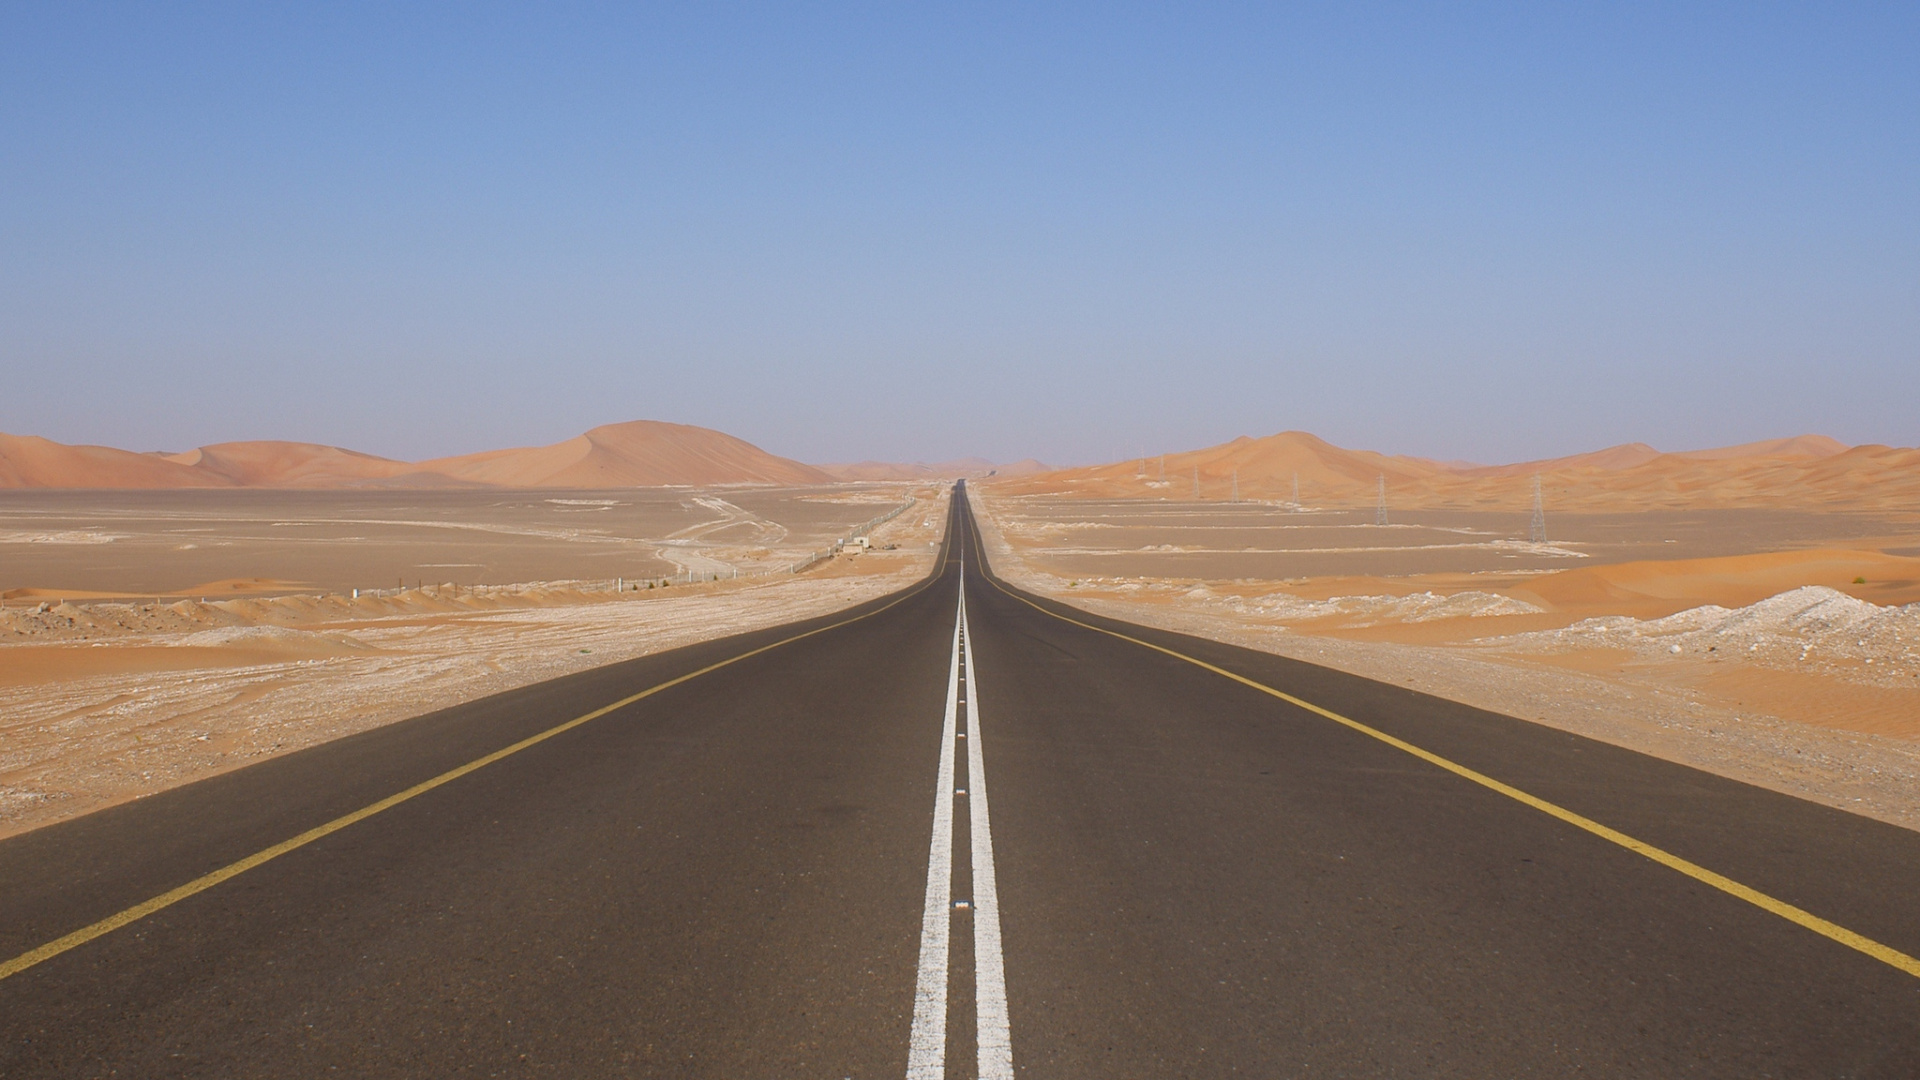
column 962, row 831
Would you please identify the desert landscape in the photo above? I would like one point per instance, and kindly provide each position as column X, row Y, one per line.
column 1805, row 472
column 151, row 635
column 1751, row 610
column 106, row 700
column 204, row 543
column 1744, row 609
column 636, row 453
column 922, row 541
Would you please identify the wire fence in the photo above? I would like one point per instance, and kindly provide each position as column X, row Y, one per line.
column 861, row 529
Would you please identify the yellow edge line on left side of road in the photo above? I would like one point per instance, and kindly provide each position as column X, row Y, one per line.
column 167, row 899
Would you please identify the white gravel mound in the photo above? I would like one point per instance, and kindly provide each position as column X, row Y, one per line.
column 1809, row 626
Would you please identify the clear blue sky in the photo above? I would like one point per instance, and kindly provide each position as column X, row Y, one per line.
column 885, row 230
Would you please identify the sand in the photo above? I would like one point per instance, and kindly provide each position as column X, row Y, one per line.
column 1804, row 472
column 111, row 700
column 1776, row 667
column 1226, row 541
column 176, row 544
column 639, row 453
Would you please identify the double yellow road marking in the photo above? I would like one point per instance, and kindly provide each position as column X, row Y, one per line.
column 1883, row 953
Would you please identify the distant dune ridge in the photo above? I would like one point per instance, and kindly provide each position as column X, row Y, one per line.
column 918, row 470
column 29, row 461
column 1803, row 470
column 640, row 453
column 1806, row 470
column 287, row 464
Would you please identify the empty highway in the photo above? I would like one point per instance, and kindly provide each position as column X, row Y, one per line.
column 961, row 832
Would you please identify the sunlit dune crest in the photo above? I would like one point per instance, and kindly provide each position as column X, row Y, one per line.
column 637, row 453
column 287, row 464
column 28, row 461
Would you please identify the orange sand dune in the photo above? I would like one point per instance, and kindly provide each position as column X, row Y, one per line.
column 1612, row 459
column 30, row 461
column 289, row 464
column 641, row 452
column 1635, row 455
column 1805, row 471
column 1266, row 465
column 1653, row 589
column 636, row 454
column 1812, row 447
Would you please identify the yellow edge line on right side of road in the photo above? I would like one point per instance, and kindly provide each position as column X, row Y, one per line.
column 1884, row 953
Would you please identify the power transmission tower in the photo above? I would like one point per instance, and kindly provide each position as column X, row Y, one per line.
column 1538, row 532
column 1380, row 509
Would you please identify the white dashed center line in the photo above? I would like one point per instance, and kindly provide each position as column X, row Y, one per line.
column 927, row 1045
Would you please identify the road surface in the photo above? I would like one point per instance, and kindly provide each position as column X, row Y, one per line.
column 926, row 838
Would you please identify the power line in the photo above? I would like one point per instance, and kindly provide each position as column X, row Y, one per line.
column 1538, row 531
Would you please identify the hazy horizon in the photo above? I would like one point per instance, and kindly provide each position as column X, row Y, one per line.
column 1077, row 234
column 1117, row 459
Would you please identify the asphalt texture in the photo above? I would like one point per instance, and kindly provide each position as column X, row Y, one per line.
column 726, row 879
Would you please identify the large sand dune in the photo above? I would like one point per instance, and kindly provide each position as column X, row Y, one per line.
column 1806, row 471
column 635, row 454
column 273, row 464
column 641, row 453
column 28, row 461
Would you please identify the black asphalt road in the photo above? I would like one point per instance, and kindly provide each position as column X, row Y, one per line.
column 726, row 880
